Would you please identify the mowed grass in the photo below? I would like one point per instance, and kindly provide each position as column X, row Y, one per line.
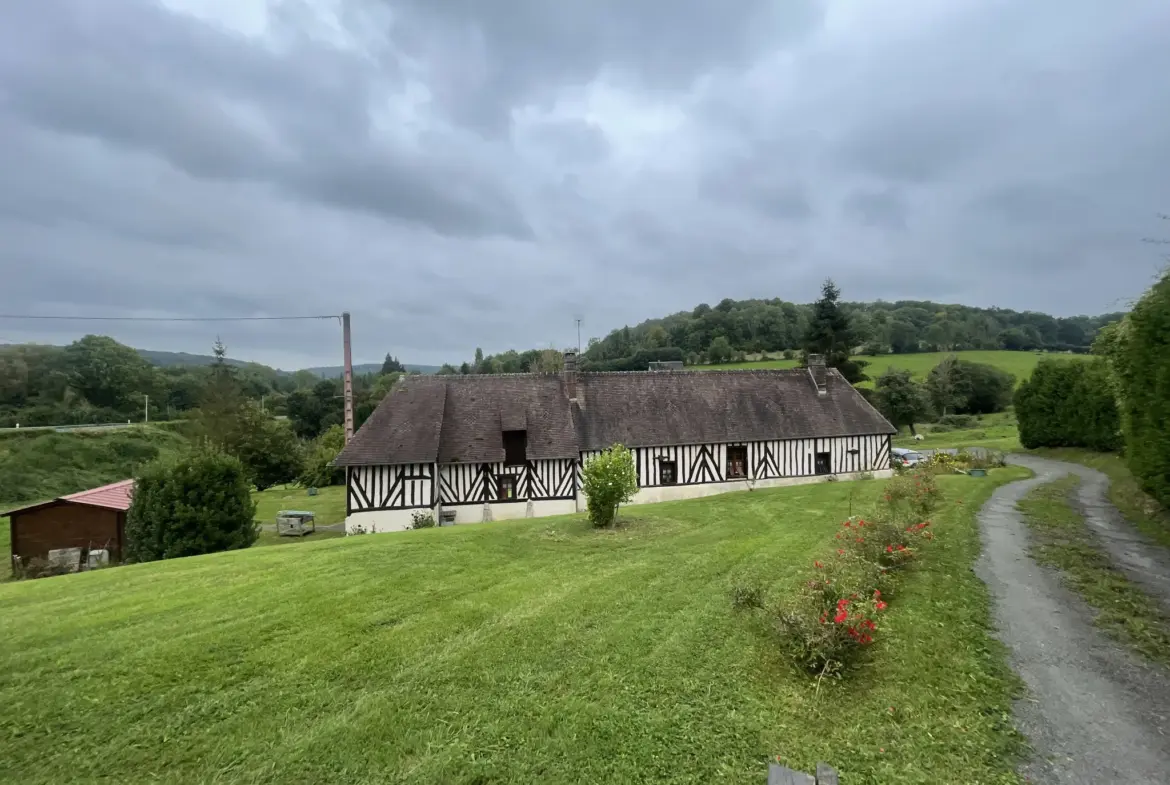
column 1019, row 364
column 1061, row 539
column 514, row 652
column 989, row 431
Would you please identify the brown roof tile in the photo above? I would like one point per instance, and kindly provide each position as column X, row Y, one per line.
column 462, row 418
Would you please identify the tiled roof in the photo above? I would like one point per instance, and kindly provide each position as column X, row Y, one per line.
column 115, row 496
column 462, row 418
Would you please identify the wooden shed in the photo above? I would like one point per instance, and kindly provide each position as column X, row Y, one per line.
column 93, row 519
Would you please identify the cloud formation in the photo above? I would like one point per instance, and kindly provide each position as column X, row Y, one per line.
column 459, row 174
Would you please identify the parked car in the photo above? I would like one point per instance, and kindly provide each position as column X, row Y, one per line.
column 900, row 456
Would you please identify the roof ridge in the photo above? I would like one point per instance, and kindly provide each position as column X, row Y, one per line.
column 110, row 486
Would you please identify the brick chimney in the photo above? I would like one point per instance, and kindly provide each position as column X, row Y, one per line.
column 818, row 373
column 571, row 374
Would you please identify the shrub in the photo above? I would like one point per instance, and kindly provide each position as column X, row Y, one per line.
column 268, row 448
column 831, row 620
column 318, row 470
column 956, row 421
column 1067, row 404
column 609, row 480
column 423, row 519
column 201, row 503
column 747, row 596
column 911, row 496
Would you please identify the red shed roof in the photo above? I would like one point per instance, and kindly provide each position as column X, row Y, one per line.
column 115, row 496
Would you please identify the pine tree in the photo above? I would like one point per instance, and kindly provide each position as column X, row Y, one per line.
column 830, row 334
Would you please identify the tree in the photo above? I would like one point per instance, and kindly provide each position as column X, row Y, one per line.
column 830, row 334
column 391, row 365
column 318, row 470
column 943, row 385
column 902, row 400
column 478, row 360
column 269, row 450
column 1139, row 355
column 986, row 388
column 106, row 373
column 1068, row 404
column 548, row 361
column 201, row 503
column 609, row 480
column 719, row 351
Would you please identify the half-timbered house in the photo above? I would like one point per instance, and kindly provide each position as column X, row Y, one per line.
column 489, row 447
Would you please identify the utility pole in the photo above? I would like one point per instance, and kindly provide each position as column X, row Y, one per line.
column 147, row 416
column 348, row 378
column 578, row 337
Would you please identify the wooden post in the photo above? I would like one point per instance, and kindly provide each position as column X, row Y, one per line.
column 348, row 378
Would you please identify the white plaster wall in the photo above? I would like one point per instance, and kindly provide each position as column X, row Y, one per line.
column 400, row 520
column 664, row 493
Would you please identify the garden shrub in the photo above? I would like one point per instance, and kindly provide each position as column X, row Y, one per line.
column 422, row 519
column 911, row 496
column 956, row 420
column 747, row 596
column 609, row 480
column 1067, row 404
column 201, row 503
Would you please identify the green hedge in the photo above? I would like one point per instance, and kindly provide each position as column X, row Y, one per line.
column 1067, row 404
column 1140, row 355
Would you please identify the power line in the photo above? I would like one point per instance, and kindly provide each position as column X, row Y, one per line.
column 167, row 318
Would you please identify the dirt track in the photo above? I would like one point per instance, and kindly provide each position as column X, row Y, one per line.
column 1095, row 713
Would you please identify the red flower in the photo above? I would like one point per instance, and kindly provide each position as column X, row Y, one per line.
column 901, row 547
column 865, row 640
column 840, row 551
column 824, row 618
column 877, row 593
column 881, row 606
column 847, row 523
column 840, row 617
column 861, row 539
column 818, row 565
column 889, row 549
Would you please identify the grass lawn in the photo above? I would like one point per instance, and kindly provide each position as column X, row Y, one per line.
column 1020, row 364
column 1061, row 539
column 328, row 504
column 1138, row 507
column 991, row 431
column 527, row 651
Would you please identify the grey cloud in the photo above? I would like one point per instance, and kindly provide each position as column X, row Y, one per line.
column 884, row 209
column 489, row 57
column 458, row 174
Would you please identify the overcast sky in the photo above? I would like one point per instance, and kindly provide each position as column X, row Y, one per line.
column 467, row 172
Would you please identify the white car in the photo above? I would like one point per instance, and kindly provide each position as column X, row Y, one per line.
column 900, row 456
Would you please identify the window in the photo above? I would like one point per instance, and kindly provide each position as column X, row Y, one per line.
column 667, row 473
column 736, row 463
column 823, row 463
column 515, row 447
column 505, row 487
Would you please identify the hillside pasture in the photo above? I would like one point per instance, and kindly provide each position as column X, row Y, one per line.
column 1019, row 364
column 514, row 652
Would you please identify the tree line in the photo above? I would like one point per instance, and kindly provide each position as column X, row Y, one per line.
column 99, row 380
column 734, row 328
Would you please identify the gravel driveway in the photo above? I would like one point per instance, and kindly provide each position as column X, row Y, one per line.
column 1095, row 713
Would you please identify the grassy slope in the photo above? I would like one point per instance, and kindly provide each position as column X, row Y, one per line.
column 1138, row 507
column 1020, row 364
column 1062, row 539
column 520, row 651
column 991, row 431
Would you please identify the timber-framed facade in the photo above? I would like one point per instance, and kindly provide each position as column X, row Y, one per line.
column 481, row 448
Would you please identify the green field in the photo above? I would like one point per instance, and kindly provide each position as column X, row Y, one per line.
column 989, row 431
column 1019, row 364
column 516, row 652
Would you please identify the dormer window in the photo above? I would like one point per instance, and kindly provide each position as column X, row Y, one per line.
column 515, row 447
